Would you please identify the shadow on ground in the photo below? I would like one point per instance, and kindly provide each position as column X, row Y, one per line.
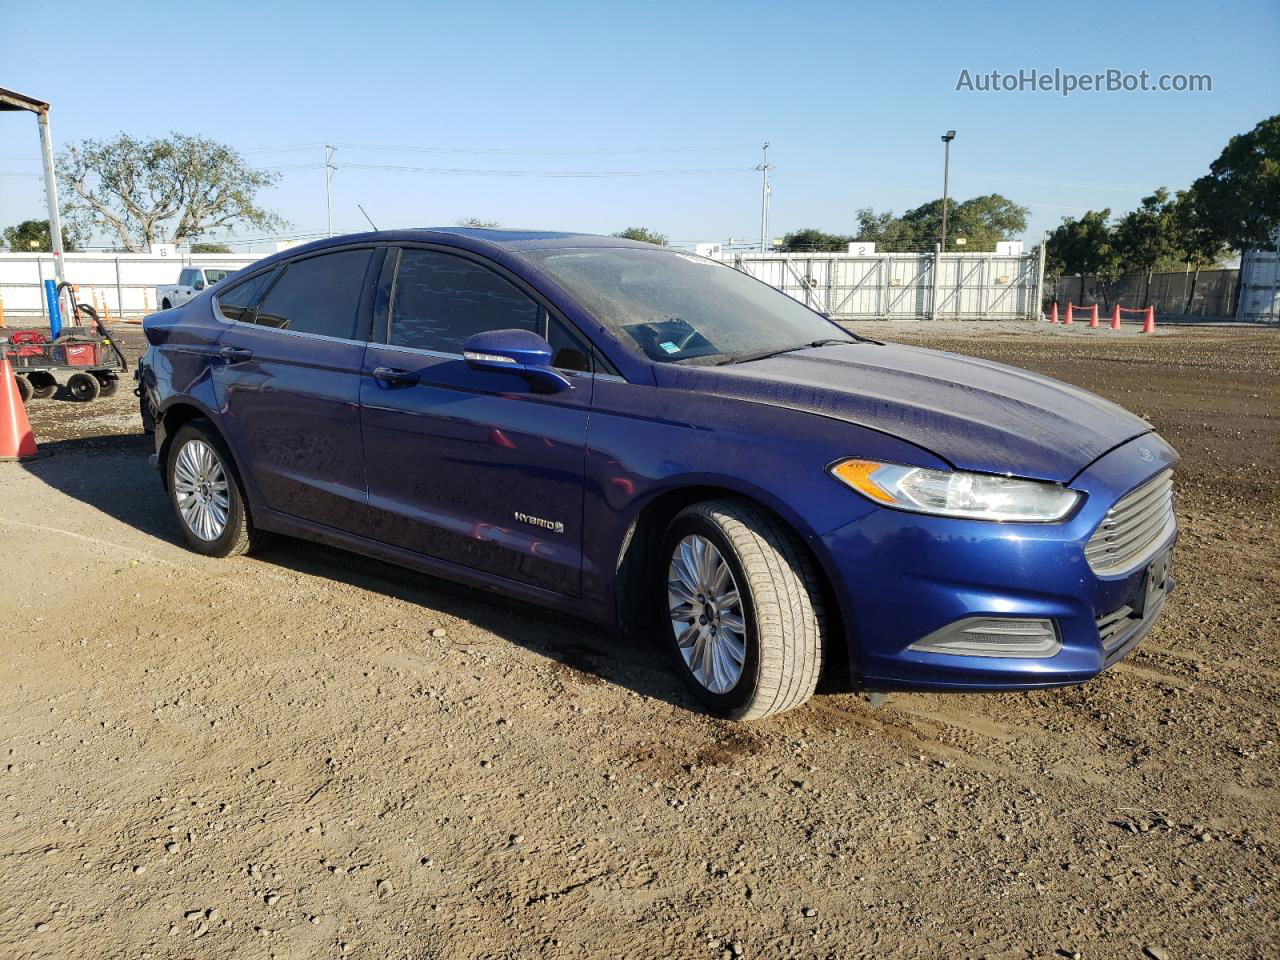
column 111, row 474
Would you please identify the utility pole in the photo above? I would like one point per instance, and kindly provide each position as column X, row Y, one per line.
column 946, row 175
column 764, row 169
column 328, row 183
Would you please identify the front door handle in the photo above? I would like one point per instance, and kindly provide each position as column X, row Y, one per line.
column 395, row 376
column 236, row 354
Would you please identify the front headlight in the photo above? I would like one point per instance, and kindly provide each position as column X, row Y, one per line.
column 955, row 493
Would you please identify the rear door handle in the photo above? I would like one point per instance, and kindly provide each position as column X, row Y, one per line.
column 395, row 376
column 236, row 354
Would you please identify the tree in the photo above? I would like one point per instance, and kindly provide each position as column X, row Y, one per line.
column 1147, row 238
column 164, row 190
column 1198, row 244
column 809, row 240
column 643, row 234
column 1082, row 247
column 1239, row 199
column 34, row 235
column 210, row 248
column 477, row 223
column 980, row 221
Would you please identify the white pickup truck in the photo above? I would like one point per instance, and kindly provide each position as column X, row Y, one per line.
column 190, row 282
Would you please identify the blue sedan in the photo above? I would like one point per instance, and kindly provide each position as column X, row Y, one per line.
column 662, row 444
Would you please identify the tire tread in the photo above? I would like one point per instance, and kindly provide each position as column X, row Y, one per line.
column 787, row 592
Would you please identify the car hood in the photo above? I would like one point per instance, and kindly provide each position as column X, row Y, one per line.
column 973, row 413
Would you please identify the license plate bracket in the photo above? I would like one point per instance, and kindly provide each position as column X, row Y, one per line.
column 1155, row 582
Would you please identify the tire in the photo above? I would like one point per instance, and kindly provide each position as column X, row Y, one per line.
column 83, row 387
column 166, row 305
column 109, row 385
column 25, row 390
column 43, row 385
column 778, row 615
column 187, row 468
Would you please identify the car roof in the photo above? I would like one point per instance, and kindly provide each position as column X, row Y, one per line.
column 478, row 239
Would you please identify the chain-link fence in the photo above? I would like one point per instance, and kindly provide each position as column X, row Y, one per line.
column 1212, row 293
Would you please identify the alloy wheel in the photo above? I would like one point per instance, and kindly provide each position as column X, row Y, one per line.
column 201, row 488
column 706, row 614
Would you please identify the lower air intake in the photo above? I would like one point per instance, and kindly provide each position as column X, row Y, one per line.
column 993, row 637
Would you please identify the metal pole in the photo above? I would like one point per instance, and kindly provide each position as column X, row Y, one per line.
column 946, row 175
column 51, row 193
column 328, row 184
column 119, row 295
column 764, row 200
column 937, row 258
column 44, row 309
column 1039, row 306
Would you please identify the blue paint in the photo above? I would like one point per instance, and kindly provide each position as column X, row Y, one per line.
column 483, row 471
column 55, row 312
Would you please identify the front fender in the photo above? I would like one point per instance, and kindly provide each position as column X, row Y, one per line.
column 647, row 442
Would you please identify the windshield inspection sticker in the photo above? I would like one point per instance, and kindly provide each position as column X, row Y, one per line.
column 669, row 347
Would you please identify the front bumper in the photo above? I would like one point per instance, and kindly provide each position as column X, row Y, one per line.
column 900, row 577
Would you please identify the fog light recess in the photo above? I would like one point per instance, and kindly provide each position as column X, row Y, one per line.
column 993, row 637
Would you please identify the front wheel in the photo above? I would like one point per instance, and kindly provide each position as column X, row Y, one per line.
column 43, row 385
column 83, row 387
column 744, row 605
column 206, row 494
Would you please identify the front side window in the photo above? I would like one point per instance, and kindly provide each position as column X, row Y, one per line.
column 440, row 301
column 237, row 303
column 213, row 276
column 318, row 295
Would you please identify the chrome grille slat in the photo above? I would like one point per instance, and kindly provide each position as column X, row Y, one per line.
column 1137, row 524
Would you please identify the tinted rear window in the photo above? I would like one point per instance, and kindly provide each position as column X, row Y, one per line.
column 237, row 302
column 319, row 295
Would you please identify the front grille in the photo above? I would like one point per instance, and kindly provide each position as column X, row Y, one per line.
column 1134, row 528
column 1113, row 627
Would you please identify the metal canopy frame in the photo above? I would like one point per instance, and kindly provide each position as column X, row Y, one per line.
column 11, row 101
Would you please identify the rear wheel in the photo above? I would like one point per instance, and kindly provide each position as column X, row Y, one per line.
column 43, row 385
column 206, row 494
column 744, row 609
column 83, row 387
column 109, row 385
column 25, row 390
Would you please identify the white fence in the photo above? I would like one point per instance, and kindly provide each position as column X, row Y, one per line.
column 904, row 286
column 895, row 286
column 1259, row 287
column 123, row 282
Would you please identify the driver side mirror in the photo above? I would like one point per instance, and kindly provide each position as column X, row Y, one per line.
column 521, row 352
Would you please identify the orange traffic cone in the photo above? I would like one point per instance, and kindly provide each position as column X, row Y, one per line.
column 1150, row 325
column 17, row 442
column 1053, row 314
column 1093, row 317
column 1070, row 319
column 1115, row 318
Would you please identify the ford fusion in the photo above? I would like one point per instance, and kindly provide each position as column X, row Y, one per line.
column 661, row 443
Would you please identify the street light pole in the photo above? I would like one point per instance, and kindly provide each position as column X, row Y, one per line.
column 764, row 169
column 946, row 176
column 328, row 184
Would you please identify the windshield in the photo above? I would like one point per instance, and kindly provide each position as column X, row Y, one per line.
column 674, row 306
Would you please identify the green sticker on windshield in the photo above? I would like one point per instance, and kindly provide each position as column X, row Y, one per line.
column 669, row 347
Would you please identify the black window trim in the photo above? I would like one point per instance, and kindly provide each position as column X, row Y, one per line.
column 382, row 322
column 364, row 307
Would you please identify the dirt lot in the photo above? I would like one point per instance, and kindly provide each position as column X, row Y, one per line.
column 309, row 755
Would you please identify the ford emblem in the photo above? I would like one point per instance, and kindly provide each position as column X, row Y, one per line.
column 1144, row 453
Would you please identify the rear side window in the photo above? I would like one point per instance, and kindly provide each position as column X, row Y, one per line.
column 237, row 303
column 319, row 295
column 440, row 301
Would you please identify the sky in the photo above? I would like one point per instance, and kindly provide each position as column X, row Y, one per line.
column 853, row 98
